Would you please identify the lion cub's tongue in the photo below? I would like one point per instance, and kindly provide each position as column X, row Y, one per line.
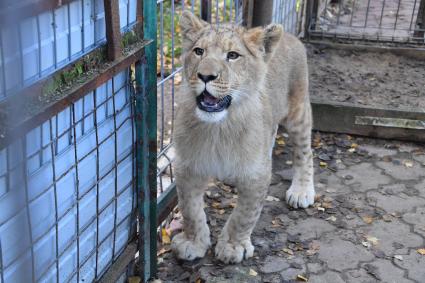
column 210, row 100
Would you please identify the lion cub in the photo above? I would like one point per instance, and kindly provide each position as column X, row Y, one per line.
column 239, row 85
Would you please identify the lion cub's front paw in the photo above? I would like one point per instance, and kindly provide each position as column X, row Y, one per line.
column 229, row 252
column 298, row 196
column 187, row 249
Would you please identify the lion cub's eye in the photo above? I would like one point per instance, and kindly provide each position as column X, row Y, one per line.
column 198, row 51
column 232, row 55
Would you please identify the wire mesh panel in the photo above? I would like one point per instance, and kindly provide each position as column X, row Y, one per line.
column 380, row 20
column 169, row 70
column 286, row 12
column 67, row 192
column 35, row 47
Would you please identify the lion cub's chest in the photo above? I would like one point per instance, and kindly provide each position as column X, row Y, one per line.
column 223, row 158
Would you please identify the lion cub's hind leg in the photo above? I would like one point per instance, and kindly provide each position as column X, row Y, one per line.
column 299, row 124
column 194, row 241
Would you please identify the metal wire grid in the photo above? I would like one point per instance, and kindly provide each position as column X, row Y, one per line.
column 91, row 115
column 37, row 46
column 286, row 12
column 169, row 68
column 378, row 20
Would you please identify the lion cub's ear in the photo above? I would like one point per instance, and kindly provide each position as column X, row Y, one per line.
column 263, row 40
column 190, row 26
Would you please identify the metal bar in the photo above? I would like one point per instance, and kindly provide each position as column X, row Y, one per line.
column 27, row 208
column 77, row 184
column 113, row 31
column 166, row 202
column 146, row 116
column 96, row 272
column 52, row 150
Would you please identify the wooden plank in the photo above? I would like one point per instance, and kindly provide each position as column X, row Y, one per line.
column 24, row 122
column 120, row 265
column 113, row 30
column 344, row 118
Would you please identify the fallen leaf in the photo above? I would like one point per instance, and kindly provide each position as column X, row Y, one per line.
column 216, row 205
column 354, row 145
column 399, row 257
column 288, row 251
column 272, row 198
column 279, row 151
column 387, row 218
column 165, row 237
column 302, row 278
column 233, row 204
column 221, row 211
column 163, row 251
column 321, row 209
column 332, row 218
column 351, row 150
column 289, row 162
column 366, row 244
column 327, row 205
column 280, row 141
column 323, row 164
column 134, row 279
column 408, row 163
column 252, row 272
column 421, row 251
column 367, row 219
column 198, row 280
column 372, row 240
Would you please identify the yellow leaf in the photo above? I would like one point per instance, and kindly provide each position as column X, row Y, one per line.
column 367, row 219
column 288, row 251
column 302, row 278
column 354, row 145
column 252, row 272
column 280, row 142
column 216, row 205
column 134, row 279
column 323, row 164
column 165, row 237
column 421, row 251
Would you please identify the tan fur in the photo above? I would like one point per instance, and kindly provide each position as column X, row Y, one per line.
column 269, row 86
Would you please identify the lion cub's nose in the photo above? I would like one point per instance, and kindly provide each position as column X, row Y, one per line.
column 207, row 78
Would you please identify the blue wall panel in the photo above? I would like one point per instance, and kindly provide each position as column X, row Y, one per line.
column 32, row 184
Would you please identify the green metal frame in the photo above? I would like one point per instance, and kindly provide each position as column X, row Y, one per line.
column 146, row 148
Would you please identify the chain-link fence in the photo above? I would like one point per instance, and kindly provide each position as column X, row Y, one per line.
column 395, row 21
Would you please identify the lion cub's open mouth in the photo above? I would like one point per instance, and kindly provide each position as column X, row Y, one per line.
column 209, row 103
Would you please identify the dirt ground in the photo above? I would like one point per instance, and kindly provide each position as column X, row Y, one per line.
column 382, row 80
column 367, row 224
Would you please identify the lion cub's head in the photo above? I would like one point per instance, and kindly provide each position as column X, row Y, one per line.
column 224, row 66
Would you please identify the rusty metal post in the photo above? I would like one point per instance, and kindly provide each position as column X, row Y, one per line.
column 420, row 22
column 206, row 8
column 262, row 13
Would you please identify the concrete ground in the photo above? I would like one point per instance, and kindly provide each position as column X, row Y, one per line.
column 367, row 225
